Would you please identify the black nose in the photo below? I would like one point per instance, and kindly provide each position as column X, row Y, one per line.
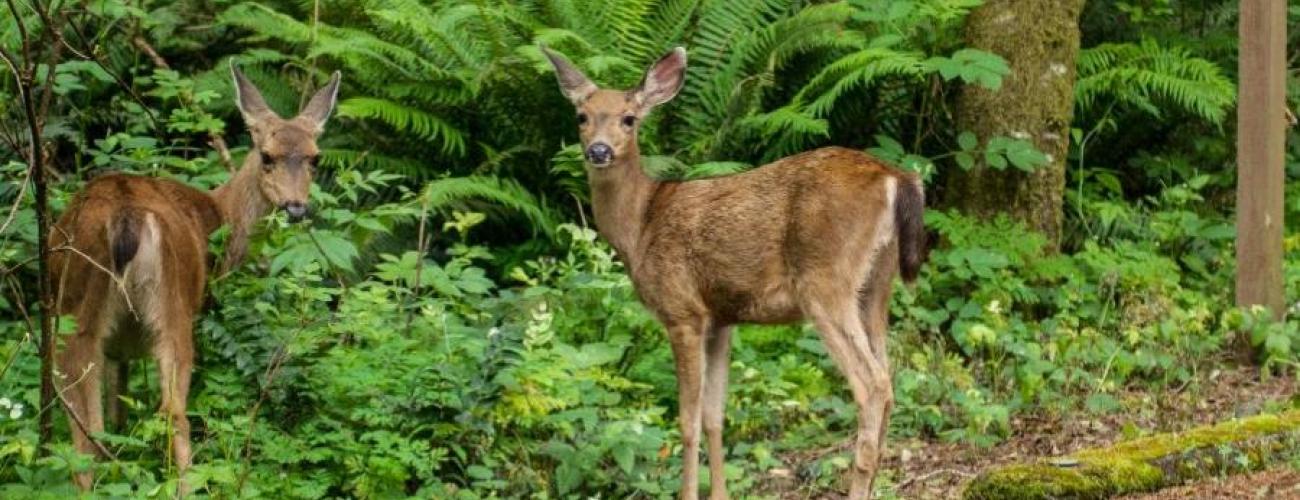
column 297, row 210
column 600, row 154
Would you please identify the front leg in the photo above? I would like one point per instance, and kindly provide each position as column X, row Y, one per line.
column 715, row 404
column 687, row 341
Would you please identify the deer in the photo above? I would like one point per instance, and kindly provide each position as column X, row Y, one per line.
column 817, row 236
column 132, row 264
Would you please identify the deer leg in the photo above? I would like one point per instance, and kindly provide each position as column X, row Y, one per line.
column 842, row 332
column 687, row 340
column 82, row 363
column 873, row 410
column 118, row 377
column 718, row 352
column 175, row 354
column 874, row 302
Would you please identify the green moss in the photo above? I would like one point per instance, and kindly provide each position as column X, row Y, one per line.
column 1146, row 464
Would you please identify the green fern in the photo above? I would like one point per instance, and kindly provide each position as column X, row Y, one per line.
column 453, row 192
column 1142, row 74
column 406, row 119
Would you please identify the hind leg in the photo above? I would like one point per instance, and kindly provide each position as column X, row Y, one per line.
column 874, row 306
column 118, row 377
column 175, row 354
column 81, row 364
column 837, row 319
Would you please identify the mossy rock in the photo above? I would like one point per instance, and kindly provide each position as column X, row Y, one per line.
column 1147, row 464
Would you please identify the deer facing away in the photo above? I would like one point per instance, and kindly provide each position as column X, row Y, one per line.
column 152, row 234
column 818, row 235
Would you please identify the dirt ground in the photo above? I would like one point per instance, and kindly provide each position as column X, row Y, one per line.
column 935, row 470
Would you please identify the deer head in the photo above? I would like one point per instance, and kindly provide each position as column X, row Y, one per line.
column 285, row 149
column 608, row 120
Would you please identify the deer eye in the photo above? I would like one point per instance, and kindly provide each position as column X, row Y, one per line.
column 629, row 120
column 267, row 162
column 582, row 118
column 313, row 161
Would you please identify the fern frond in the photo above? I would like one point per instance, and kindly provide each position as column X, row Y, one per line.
column 370, row 161
column 1138, row 74
column 855, row 70
column 407, row 119
column 453, row 191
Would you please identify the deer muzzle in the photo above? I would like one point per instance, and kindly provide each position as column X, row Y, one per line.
column 599, row 154
column 296, row 210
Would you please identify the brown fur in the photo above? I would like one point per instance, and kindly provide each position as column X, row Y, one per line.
column 130, row 264
column 819, row 235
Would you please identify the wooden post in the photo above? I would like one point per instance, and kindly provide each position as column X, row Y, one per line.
column 1261, row 142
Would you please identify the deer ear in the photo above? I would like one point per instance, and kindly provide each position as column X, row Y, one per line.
column 322, row 104
column 575, row 85
column 249, row 99
column 663, row 80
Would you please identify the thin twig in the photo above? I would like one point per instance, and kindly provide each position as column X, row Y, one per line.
column 119, row 281
column 143, row 45
column 20, row 303
column 67, row 407
column 13, row 210
column 22, row 30
column 422, row 244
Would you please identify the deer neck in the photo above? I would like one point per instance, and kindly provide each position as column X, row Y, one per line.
column 620, row 198
column 241, row 204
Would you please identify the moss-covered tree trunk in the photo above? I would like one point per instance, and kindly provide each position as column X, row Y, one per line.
column 1040, row 41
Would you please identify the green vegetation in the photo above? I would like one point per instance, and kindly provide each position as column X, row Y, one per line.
column 506, row 354
column 1148, row 463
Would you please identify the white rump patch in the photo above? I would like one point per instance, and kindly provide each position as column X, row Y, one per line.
column 140, row 279
column 885, row 231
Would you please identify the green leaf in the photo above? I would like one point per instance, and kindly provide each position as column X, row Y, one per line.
column 624, row 456
column 965, row 160
column 337, row 250
column 967, row 141
column 567, row 477
column 995, row 160
column 985, row 69
column 479, row 472
column 1024, row 156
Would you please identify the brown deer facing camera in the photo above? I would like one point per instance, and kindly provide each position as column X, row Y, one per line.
column 818, row 235
column 131, row 263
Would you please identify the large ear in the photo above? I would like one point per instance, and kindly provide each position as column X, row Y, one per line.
column 663, row 80
column 575, row 85
column 322, row 104
column 249, row 99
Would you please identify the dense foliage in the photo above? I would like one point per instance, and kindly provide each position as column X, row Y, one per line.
column 449, row 325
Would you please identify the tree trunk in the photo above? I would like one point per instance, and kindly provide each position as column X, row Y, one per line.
column 1040, row 41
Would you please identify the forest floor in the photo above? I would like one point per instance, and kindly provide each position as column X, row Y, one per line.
column 1276, row 483
column 925, row 469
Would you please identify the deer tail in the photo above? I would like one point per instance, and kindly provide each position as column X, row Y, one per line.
column 909, row 211
column 124, row 237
